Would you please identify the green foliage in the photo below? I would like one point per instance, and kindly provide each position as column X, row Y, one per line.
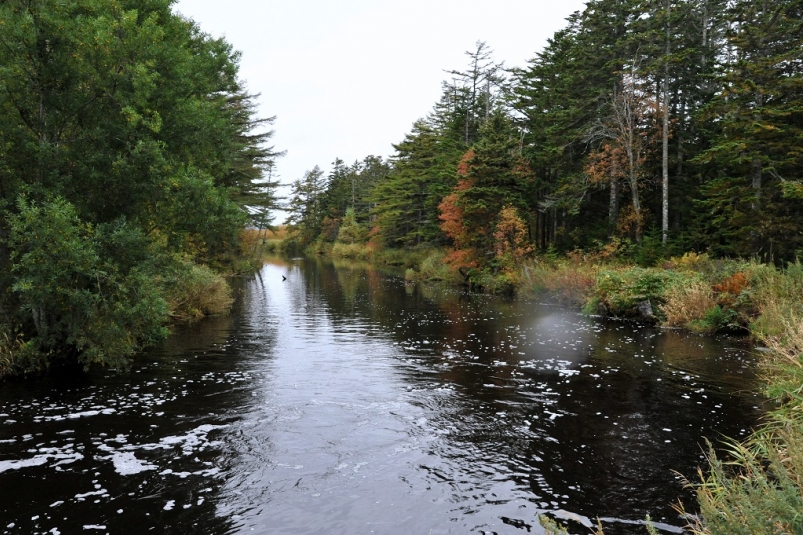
column 126, row 142
column 652, row 250
column 195, row 217
column 495, row 177
column 350, row 231
column 622, row 290
column 758, row 489
column 406, row 202
column 194, row 291
column 434, row 268
column 17, row 356
column 351, row 187
column 305, row 214
column 714, row 319
column 551, row 527
column 102, row 307
column 357, row 251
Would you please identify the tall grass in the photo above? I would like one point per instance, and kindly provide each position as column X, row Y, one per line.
column 687, row 302
column 758, row 487
column 195, row 291
column 357, row 251
column 565, row 282
column 16, row 356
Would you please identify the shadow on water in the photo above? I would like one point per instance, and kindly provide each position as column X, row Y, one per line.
column 342, row 400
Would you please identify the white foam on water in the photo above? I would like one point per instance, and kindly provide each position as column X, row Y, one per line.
column 99, row 492
column 126, row 464
column 39, row 460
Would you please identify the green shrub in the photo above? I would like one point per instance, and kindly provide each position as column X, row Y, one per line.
column 19, row 357
column 714, row 319
column 398, row 257
column 319, row 247
column 351, row 232
column 485, row 280
column 86, row 291
column 433, row 268
column 622, row 290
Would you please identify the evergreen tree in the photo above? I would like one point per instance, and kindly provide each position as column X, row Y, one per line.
column 304, row 207
column 127, row 126
column 493, row 176
column 758, row 143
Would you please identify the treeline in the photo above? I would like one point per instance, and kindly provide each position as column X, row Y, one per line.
column 662, row 125
column 129, row 150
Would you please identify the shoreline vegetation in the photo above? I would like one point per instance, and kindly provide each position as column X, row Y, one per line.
column 186, row 292
column 758, row 486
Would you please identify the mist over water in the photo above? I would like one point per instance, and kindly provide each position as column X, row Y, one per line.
column 344, row 400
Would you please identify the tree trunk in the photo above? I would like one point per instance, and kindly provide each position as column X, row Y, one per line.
column 755, row 166
column 613, row 201
column 665, row 140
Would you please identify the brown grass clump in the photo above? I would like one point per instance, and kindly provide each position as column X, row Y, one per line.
column 687, row 302
column 566, row 283
column 690, row 261
column 250, row 239
column 197, row 292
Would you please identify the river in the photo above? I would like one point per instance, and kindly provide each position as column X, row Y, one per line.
column 343, row 400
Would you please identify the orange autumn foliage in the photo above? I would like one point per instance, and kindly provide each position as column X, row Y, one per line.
column 465, row 163
column 512, row 241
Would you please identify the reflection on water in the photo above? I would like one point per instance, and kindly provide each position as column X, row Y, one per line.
column 342, row 400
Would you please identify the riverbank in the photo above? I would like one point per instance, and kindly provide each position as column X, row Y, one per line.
column 179, row 291
column 692, row 291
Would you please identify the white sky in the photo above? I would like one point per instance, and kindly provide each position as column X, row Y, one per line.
column 348, row 78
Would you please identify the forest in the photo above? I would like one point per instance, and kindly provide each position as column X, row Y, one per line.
column 131, row 159
column 664, row 126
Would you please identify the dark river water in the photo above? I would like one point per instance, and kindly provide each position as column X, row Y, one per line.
column 345, row 401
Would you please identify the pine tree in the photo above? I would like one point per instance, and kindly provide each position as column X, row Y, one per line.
column 304, row 206
column 494, row 175
column 758, row 146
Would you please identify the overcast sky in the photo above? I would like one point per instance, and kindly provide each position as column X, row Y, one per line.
column 347, row 78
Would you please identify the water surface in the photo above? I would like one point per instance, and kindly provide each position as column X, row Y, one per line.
column 344, row 400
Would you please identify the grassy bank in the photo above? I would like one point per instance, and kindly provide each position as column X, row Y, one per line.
column 758, row 486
